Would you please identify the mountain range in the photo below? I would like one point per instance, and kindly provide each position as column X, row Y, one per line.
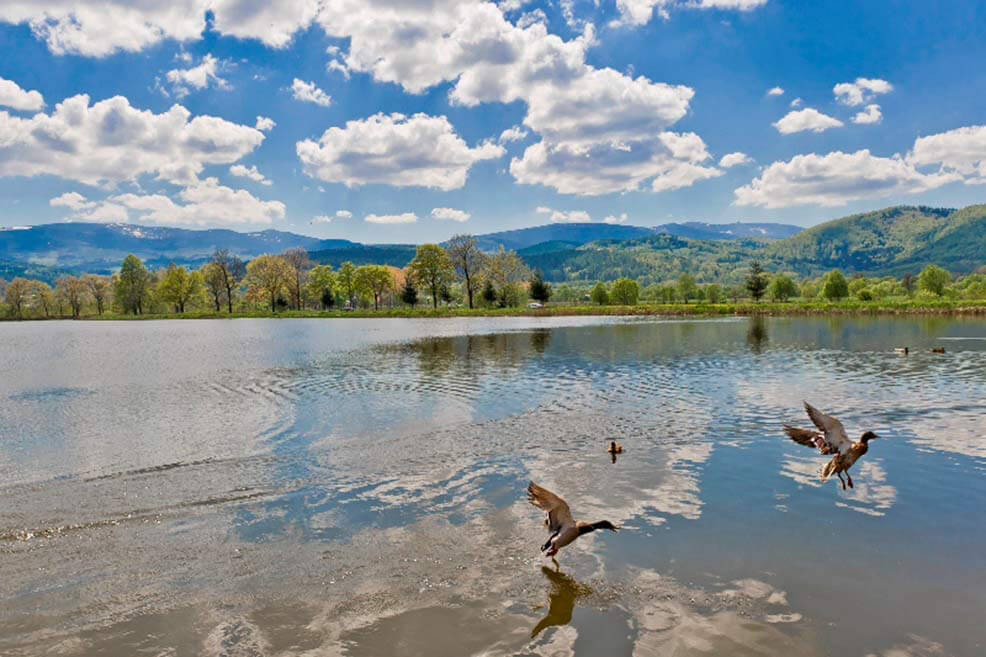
column 893, row 240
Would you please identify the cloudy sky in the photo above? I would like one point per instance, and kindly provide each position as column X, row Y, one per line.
column 409, row 120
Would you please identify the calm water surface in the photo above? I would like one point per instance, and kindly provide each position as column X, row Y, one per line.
column 356, row 487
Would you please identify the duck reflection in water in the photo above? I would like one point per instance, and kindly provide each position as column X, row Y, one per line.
column 561, row 599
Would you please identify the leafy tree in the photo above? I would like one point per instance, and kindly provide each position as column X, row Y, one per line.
column 432, row 268
column 321, row 285
column 345, row 281
column 467, row 260
column 266, row 278
column 132, row 285
column 666, row 293
column 373, row 281
column 625, row 292
column 17, row 295
column 756, row 282
column 99, row 289
column 599, row 295
column 713, row 293
column 933, row 279
column 909, row 282
column 857, row 283
column 865, row 294
column 687, row 287
column 835, row 286
column 178, row 286
column 782, row 288
column 409, row 293
column 233, row 271
column 489, row 293
column 539, row 290
column 42, row 294
column 215, row 283
column 74, row 291
column 507, row 272
column 299, row 262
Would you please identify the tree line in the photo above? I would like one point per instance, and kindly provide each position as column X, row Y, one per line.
column 458, row 273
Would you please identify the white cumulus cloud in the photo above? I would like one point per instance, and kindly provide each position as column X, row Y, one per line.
column 394, row 149
column 344, row 214
column 513, row 133
column 309, row 93
column 734, row 159
column 198, row 77
column 806, row 119
column 615, row 219
column 775, row 91
column 321, row 219
column 264, row 124
column 450, row 213
column 110, row 141
column 205, row 203
column 796, row 102
column 871, row 114
column 571, row 216
column 961, row 151
column 639, row 12
column 11, row 95
column 835, row 179
column 860, row 91
column 249, row 172
column 403, row 218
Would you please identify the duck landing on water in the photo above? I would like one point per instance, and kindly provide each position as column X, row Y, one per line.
column 831, row 438
column 559, row 521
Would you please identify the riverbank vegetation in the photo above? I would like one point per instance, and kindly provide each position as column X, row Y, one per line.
column 462, row 280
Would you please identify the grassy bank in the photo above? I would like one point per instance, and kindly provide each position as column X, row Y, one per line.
column 696, row 309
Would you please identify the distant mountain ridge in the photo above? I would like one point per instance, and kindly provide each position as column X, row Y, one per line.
column 893, row 240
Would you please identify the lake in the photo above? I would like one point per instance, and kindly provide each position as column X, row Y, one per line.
column 357, row 487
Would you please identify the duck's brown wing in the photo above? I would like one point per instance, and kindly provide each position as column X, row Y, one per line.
column 559, row 515
column 835, row 433
column 806, row 437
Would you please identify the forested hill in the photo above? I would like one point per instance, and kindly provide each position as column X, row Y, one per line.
column 893, row 240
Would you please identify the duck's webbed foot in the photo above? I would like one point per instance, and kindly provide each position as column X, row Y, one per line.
column 841, row 480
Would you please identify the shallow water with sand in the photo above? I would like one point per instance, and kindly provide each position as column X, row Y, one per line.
column 356, row 487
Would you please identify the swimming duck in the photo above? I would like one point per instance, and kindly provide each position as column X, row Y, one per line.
column 559, row 521
column 902, row 350
column 831, row 439
column 615, row 447
column 938, row 350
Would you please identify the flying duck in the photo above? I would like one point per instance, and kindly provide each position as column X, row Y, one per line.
column 831, row 438
column 559, row 521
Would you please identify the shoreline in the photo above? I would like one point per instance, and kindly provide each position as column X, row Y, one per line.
column 872, row 308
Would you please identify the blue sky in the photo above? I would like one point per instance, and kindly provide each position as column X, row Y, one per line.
column 405, row 121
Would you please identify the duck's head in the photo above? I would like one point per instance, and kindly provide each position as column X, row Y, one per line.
column 867, row 437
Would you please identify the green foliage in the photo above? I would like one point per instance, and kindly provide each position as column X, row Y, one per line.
column 687, row 289
column 132, row 285
column 625, row 292
column 179, row 287
column 432, row 269
column 933, row 279
column 782, row 288
column 599, row 294
column 489, row 294
column 409, row 293
column 345, row 281
column 835, row 286
column 321, row 285
column 713, row 293
column 539, row 290
column 266, row 278
column 467, row 260
column 756, row 282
